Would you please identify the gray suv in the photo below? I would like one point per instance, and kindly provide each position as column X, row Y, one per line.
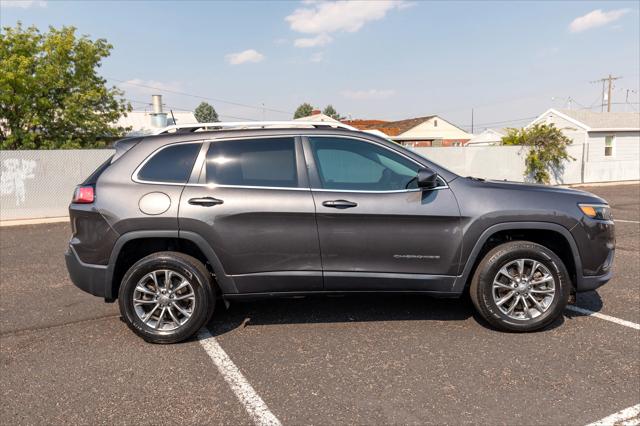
column 174, row 221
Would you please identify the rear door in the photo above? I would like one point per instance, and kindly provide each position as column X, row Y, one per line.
column 377, row 229
column 254, row 207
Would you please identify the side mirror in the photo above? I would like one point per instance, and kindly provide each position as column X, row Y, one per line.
column 427, row 178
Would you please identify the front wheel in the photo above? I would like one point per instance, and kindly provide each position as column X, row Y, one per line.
column 166, row 297
column 520, row 286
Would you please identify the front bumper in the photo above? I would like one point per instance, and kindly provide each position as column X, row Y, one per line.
column 593, row 282
column 85, row 276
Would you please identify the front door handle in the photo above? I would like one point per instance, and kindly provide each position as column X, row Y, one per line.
column 339, row 204
column 205, row 201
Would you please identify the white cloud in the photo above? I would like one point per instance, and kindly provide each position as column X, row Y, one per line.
column 246, row 56
column 319, row 40
column 371, row 94
column 323, row 18
column 596, row 18
column 24, row 4
column 317, row 57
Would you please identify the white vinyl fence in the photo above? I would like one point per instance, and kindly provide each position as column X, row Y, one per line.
column 39, row 184
column 507, row 162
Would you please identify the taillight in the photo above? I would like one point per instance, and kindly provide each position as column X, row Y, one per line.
column 83, row 195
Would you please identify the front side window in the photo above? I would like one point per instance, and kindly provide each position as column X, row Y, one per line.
column 608, row 146
column 350, row 164
column 267, row 162
column 171, row 165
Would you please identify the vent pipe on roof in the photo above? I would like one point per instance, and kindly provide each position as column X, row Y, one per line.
column 156, row 101
column 158, row 118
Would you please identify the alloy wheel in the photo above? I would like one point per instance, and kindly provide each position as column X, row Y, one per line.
column 164, row 300
column 523, row 289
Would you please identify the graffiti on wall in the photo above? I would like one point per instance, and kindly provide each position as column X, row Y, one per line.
column 14, row 172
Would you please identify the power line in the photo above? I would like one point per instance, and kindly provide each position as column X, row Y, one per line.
column 503, row 122
column 175, row 92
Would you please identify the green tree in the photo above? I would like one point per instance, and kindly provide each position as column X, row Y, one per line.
column 547, row 150
column 50, row 93
column 205, row 113
column 331, row 112
column 303, row 110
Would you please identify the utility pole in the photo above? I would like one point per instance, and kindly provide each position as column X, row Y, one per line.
column 610, row 81
column 471, row 120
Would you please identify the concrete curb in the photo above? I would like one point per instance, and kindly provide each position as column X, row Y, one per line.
column 18, row 222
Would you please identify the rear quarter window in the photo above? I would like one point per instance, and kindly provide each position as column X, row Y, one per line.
column 171, row 165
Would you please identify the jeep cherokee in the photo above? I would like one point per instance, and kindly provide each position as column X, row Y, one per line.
column 176, row 220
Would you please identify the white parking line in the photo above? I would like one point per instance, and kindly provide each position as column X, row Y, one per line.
column 252, row 402
column 603, row 316
column 624, row 417
column 626, row 221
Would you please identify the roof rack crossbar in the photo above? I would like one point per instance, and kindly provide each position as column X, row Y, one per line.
column 238, row 125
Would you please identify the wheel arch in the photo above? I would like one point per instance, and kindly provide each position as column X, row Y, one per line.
column 143, row 243
column 537, row 232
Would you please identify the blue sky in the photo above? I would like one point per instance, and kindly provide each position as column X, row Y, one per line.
column 388, row 60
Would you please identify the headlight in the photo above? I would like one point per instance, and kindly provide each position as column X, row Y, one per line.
column 596, row 211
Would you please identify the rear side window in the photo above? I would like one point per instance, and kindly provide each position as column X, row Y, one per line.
column 253, row 162
column 171, row 165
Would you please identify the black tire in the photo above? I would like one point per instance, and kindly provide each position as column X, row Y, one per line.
column 193, row 271
column 481, row 289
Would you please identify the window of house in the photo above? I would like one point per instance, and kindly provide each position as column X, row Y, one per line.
column 171, row 165
column 435, row 123
column 350, row 164
column 253, row 162
column 609, row 146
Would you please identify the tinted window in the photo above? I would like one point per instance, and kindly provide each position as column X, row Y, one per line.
column 172, row 164
column 350, row 164
column 253, row 162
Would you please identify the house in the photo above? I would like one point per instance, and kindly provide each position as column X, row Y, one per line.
column 316, row 115
column 607, row 142
column 488, row 137
column 145, row 122
column 142, row 122
column 431, row 130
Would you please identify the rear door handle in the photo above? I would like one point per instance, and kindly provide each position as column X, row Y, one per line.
column 339, row 204
column 205, row 201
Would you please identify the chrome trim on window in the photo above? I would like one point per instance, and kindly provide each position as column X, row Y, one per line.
column 207, row 142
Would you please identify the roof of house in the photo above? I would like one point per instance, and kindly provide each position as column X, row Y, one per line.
column 317, row 117
column 594, row 121
column 390, row 128
column 487, row 136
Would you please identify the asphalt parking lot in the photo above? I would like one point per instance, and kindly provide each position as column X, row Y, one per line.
column 67, row 358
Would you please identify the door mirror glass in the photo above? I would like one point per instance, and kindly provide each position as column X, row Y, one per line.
column 427, row 178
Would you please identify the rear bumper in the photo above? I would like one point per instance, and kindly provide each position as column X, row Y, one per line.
column 85, row 276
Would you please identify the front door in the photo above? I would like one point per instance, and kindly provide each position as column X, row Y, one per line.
column 377, row 229
column 254, row 207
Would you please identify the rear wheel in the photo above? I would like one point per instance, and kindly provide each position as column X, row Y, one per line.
column 520, row 286
column 166, row 297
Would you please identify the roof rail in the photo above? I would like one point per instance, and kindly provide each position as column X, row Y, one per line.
column 239, row 125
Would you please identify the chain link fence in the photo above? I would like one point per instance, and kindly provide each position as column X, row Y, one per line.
column 39, row 184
